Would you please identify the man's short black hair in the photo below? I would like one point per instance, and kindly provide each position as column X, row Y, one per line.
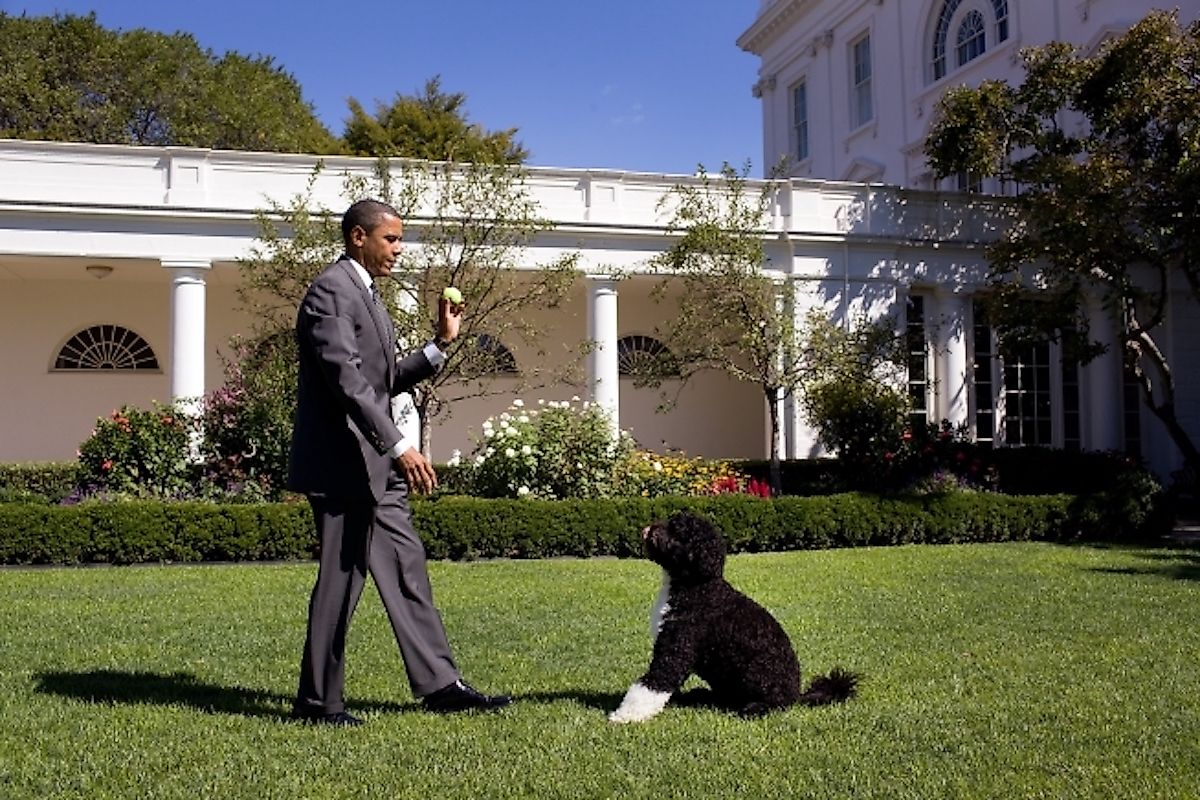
column 365, row 214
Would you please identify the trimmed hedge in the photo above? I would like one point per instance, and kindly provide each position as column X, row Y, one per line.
column 469, row 528
column 38, row 482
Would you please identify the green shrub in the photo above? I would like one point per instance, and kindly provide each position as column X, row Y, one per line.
column 552, row 452
column 247, row 422
column 140, row 453
column 47, row 482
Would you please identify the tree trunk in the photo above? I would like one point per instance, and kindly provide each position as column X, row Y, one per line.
column 1165, row 409
column 775, row 478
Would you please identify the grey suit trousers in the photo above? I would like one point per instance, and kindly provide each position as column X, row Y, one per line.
column 358, row 537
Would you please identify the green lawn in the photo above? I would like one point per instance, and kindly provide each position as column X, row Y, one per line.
column 991, row 671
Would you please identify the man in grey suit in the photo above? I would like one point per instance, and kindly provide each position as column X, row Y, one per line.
column 355, row 466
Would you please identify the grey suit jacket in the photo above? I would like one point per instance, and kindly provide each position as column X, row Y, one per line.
column 348, row 375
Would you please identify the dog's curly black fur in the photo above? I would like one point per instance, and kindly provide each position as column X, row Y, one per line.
column 713, row 630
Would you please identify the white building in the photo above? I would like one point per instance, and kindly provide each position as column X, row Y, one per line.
column 848, row 87
column 118, row 265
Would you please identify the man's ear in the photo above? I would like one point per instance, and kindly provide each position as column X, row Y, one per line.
column 358, row 235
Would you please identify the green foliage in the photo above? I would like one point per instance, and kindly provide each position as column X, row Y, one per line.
column 139, row 531
column 1105, row 149
column 247, row 423
column 431, row 125
column 136, row 531
column 139, row 453
column 851, row 393
column 561, row 449
column 66, row 78
column 46, row 482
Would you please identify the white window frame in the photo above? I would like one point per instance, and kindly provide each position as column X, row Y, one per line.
column 1000, row 416
column 862, row 101
column 801, row 148
column 996, row 31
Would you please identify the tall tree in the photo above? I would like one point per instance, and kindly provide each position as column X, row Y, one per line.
column 432, row 125
column 732, row 317
column 1105, row 149
column 66, row 78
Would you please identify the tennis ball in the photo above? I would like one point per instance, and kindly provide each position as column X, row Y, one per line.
column 452, row 294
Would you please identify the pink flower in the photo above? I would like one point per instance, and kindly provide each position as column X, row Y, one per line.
column 106, row 465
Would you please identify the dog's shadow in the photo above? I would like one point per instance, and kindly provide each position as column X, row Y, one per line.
column 124, row 687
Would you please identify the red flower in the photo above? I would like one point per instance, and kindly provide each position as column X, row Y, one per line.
column 106, row 465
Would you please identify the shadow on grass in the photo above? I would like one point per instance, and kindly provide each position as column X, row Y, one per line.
column 154, row 688
column 1180, row 564
column 105, row 686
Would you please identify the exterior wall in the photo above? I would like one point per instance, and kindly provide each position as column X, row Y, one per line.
column 48, row 413
column 151, row 214
column 806, row 40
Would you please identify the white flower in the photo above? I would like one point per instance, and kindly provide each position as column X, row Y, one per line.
column 505, row 424
column 518, row 403
column 510, row 452
column 455, row 458
column 541, row 402
column 479, row 460
column 524, row 490
column 488, row 433
column 658, row 466
column 575, row 399
column 526, row 450
column 523, row 419
column 505, row 417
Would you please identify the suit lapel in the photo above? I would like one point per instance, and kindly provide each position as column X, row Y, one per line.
column 383, row 324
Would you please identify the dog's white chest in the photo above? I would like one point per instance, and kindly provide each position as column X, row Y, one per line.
column 662, row 607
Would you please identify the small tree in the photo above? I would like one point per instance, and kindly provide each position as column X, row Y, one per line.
column 733, row 316
column 1105, row 150
column 479, row 221
column 853, row 392
column 470, row 224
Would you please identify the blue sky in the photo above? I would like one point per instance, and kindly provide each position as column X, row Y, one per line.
column 644, row 85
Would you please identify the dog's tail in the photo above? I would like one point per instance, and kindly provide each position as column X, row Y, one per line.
column 836, row 687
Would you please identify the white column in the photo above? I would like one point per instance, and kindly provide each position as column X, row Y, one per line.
column 603, row 373
column 951, row 322
column 783, row 302
column 1101, row 384
column 187, row 327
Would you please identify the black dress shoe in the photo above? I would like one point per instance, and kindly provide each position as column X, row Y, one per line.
column 461, row 696
column 341, row 719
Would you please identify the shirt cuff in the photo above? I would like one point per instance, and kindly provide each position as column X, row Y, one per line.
column 399, row 447
column 434, row 354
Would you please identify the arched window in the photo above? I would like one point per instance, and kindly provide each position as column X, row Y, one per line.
column 644, row 355
column 970, row 40
column 492, row 357
column 106, row 347
column 968, row 20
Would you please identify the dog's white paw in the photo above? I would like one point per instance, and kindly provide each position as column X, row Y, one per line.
column 639, row 705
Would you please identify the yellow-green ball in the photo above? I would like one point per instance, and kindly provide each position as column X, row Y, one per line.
column 452, row 294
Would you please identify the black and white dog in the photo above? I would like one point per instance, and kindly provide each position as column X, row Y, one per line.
column 702, row 625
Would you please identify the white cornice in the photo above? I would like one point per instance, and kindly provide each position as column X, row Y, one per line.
column 775, row 18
